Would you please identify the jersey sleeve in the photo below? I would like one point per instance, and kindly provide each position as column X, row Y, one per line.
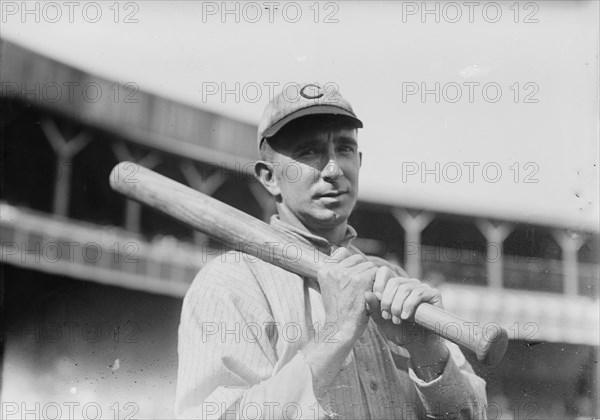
column 227, row 360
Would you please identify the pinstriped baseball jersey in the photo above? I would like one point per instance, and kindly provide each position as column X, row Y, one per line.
column 243, row 325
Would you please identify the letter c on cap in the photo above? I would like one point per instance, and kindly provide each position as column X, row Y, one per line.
column 319, row 95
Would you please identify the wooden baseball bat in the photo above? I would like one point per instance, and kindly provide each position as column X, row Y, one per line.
column 255, row 237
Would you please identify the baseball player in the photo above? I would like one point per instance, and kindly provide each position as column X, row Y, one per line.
column 256, row 341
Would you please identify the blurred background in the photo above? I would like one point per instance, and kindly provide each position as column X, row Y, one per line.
column 480, row 175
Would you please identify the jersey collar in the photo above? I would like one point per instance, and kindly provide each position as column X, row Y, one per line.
column 318, row 241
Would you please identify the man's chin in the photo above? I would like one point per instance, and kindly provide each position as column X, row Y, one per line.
column 327, row 218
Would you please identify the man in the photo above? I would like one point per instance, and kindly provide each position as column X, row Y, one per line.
column 256, row 341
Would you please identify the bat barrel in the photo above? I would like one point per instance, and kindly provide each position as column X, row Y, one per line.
column 252, row 236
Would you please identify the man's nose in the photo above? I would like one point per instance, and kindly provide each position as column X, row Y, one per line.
column 332, row 171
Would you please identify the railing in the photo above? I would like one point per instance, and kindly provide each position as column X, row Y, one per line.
column 523, row 273
column 118, row 257
column 102, row 254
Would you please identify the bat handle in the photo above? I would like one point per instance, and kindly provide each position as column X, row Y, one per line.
column 488, row 342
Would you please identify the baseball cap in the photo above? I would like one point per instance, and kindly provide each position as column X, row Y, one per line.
column 301, row 100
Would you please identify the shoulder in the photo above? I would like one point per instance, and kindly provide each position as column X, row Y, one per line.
column 231, row 276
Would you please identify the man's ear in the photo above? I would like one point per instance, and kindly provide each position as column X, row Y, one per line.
column 264, row 171
column 359, row 159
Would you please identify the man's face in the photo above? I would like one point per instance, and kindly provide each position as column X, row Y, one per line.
column 316, row 172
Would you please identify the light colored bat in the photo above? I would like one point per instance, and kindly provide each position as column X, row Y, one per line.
column 243, row 232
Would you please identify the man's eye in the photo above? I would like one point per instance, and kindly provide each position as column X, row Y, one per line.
column 308, row 152
column 347, row 149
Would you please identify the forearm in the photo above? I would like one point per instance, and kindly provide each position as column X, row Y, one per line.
column 326, row 360
column 233, row 390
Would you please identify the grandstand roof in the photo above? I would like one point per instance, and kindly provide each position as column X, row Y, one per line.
column 546, row 148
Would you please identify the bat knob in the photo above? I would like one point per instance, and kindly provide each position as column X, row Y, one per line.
column 491, row 347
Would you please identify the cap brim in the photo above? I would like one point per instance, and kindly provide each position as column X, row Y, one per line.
column 311, row 110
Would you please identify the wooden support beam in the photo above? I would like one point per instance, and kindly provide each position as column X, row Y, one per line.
column 65, row 152
column 570, row 242
column 495, row 234
column 413, row 224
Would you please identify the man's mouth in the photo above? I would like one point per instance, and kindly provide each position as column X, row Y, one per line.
column 331, row 194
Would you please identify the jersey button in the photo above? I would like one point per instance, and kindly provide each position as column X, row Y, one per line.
column 374, row 386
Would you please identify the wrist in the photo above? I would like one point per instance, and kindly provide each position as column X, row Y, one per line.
column 345, row 333
column 346, row 336
column 325, row 360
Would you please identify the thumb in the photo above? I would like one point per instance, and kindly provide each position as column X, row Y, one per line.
column 374, row 307
column 339, row 254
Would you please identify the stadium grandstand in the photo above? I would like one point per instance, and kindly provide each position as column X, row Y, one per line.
column 93, row 282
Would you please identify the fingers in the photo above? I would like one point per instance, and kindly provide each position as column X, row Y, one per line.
column 396, row 291
column 424, row 293
column 401, row 297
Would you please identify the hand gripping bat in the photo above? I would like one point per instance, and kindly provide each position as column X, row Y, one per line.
column 245, row 233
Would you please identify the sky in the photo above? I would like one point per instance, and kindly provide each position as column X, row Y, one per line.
column 482, row 108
